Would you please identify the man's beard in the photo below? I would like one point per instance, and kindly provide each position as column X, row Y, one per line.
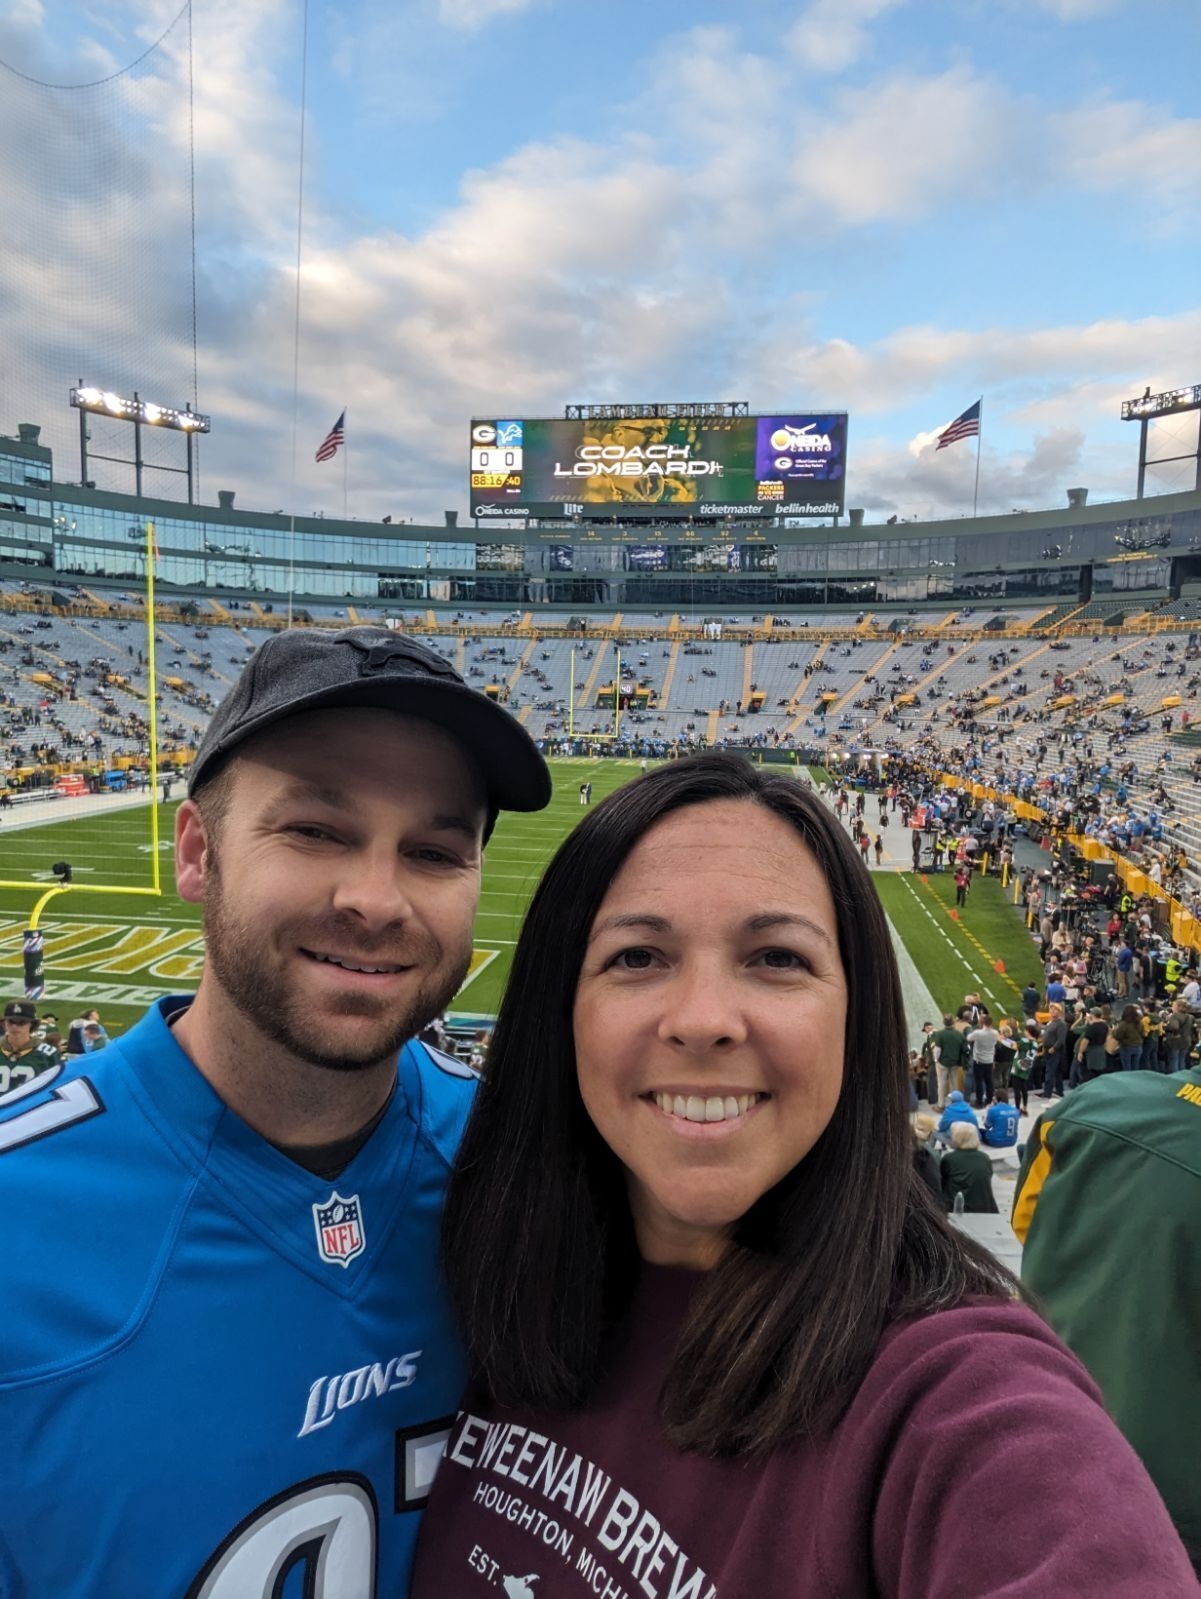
column 276, row 1007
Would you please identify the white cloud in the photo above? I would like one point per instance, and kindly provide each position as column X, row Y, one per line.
column 634, row 267
column 831, row 35
column 468, row 15
column 1128, row 145
column 1076, row 10
column 25, row 13
column 901, row 148
column 1107, row 361
column 887, row 478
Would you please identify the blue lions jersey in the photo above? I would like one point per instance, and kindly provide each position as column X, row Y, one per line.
column 221, row 1377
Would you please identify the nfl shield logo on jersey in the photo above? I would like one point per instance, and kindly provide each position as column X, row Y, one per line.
column 339, row 1224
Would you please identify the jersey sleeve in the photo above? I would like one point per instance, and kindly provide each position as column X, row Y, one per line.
column 1036, row 1168
column 440, row 1090
column 992, row 1411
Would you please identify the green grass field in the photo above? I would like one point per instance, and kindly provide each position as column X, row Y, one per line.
column 959, row 955
column 120, row 953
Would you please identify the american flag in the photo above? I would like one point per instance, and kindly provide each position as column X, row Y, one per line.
column 333, row 441
column 963, row 427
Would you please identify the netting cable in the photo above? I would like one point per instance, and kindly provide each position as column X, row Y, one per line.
column 192, row 198
column 304, row 70
column 96, row 83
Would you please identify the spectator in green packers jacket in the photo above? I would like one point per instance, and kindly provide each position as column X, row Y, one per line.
column 1107, row 1206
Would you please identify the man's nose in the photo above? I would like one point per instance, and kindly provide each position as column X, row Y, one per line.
column 372, row 885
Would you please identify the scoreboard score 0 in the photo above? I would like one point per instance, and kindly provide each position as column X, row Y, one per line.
column 660, row 468
column 497, row 456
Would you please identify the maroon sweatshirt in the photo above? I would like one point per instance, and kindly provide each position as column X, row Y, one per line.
column 975, row 1459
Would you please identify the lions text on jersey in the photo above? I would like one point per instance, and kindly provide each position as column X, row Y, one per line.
column 221, row 1377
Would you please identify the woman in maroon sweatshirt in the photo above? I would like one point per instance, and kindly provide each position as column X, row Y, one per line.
column 725, row 1344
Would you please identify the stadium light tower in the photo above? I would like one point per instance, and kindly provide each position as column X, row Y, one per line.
column 1150, row 405
column 103, row 402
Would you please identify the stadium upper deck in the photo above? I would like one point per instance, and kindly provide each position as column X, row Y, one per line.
column 1136, row 551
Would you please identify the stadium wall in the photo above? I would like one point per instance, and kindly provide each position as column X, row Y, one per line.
column 61, row 533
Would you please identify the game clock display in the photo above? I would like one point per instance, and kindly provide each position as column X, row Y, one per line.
column 659, row 468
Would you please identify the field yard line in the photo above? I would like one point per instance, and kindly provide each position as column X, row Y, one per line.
column 100, row 921
column 950, row 943
column 987, row 953
column 515, row 877
column 482, row 967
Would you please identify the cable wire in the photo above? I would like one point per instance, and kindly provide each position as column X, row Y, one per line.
column 41, row 83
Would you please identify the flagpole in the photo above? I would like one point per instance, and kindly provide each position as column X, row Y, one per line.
column 345, row 469
column 979, row 438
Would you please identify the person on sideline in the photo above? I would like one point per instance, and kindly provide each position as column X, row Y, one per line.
column 718, row 1326
column 226, row 1353
column 1054, row 1048
column 1128, row 1033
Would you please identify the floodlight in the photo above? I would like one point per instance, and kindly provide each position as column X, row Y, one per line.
column 89, row 398
column 1148, row 404
column 86, row 397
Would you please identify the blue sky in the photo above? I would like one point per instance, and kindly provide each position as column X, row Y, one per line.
column 887, row 206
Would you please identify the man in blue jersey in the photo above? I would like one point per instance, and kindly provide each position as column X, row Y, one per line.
column 226, row 1366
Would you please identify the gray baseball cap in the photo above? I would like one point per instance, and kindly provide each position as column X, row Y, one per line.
column 310, row 669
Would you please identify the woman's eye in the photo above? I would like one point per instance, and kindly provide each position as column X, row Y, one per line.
column 633, row 960
column 783, row 960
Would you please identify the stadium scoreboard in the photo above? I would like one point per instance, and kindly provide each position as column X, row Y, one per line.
column 659, row 468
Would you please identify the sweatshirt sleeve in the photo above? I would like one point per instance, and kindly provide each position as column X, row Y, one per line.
column 1003, row 1474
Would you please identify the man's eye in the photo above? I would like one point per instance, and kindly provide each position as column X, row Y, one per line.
column 308, row 830
column 437, row 857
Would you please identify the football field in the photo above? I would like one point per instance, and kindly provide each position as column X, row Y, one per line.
column 119, row 953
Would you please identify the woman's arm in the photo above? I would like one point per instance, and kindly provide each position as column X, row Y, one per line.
column 1015, row 1481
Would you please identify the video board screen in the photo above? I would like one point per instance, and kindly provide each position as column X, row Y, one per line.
column 659, row 468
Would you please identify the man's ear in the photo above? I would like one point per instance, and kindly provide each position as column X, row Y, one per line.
column 191, row 853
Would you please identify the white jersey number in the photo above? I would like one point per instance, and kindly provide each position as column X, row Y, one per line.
column 76, row 1101
column 325, row 1528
